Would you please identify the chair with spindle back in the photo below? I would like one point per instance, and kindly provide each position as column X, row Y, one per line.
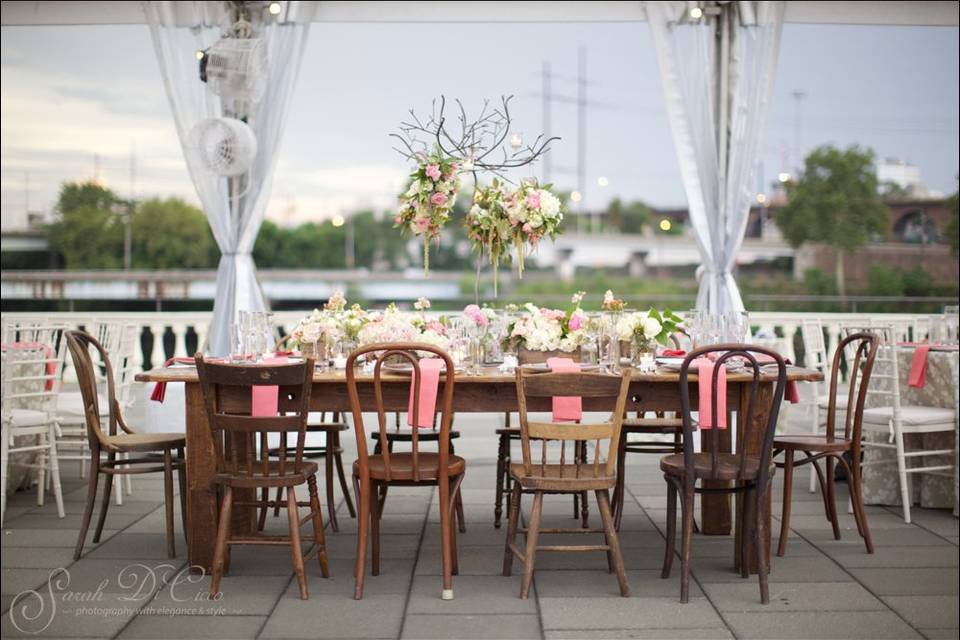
column 649, row 428
column 554, row 475
column 751, row 474
column 830, row 446
column 240, row 443
column 408, row 468
column 332, row 453
column 127, row 452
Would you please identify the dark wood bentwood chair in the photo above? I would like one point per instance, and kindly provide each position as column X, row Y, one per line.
column 413, row 468
column 141, row 452
column 566, row 477
column 862, row 347
column 238, row 436
column 750, row 475
column 332, row 453
column 648, row 429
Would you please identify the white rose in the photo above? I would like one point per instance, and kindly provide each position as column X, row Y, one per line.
column 651, row 328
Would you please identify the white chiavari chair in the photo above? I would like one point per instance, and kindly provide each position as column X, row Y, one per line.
column 888, row 415
column 33, row 358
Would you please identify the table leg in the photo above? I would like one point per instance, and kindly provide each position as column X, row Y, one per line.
column 201, row 501
column 715, row 516
column 753, row 443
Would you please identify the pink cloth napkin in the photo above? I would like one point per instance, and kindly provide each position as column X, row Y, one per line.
column 160, row 389
column 673, row 353
column 918, row 368
column 565, row 407
column 427, row 408
column 265, row 399
column 705, row 383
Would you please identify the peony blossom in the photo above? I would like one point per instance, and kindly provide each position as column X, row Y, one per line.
column 438, row 199
column 432, row 171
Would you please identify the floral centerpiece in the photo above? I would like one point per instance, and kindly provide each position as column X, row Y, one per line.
column 533, row 212
column 645, row 329
column 612, row 303
column 334, row 323
column 426, row 204
column 540, row 332
column 489, row 228
column 393, row 325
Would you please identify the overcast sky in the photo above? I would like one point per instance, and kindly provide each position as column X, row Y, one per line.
column 70, row 93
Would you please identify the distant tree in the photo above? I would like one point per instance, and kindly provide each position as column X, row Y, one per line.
column 88, row 238
column 835, row 202
column 76, row 195
column 632, row 217
column 952, row 229
column 890, row 190
column 171, row 234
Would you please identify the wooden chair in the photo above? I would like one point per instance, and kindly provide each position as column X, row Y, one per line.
column 833, row 449
column 127, row 452
column 749, row 474
column 649, row 429
column 227, row 391
column 566, row 477
column 506, row 435
column 414, row 468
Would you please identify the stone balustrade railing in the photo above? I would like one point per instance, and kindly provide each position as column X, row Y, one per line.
column 177, row 333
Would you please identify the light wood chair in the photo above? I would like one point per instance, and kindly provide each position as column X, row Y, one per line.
column 750, row 475
column 414, row 468
column 554, row 474
column 126, row 451
column 832, row 448
column 237, row 438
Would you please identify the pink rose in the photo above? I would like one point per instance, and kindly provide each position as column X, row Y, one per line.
column 576, row 321
column 438, row 199
column 433, row 171
column 437, row 328
column 527, row 228
column 533, row 200
column 422, row 223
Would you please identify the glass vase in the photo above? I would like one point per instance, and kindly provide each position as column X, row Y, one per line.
column 642, row 350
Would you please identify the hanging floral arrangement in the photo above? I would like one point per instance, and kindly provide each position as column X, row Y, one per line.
column 426, row 204
column 488, row 226
column 533, row 213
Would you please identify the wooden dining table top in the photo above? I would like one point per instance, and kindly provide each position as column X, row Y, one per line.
column 489, row 375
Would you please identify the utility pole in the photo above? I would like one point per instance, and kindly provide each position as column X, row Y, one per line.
column 798, row 96
column 547, row 97
column 128, row 219
column 581, row 133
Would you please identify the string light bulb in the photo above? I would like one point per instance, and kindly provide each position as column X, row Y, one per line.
column 274, row 8
column 761, row 198
column 337, row 220
column 696, row 13
column 602, row 181
column 783, row 177
column 200, row 54
column 665, row 225
column 576, row 196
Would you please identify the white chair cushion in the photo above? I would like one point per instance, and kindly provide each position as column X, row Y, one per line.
column 910, row 416
column 824, row 401
column 28, row 418
column 70, row 405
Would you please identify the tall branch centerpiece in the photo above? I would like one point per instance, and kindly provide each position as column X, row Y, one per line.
column 504, row 216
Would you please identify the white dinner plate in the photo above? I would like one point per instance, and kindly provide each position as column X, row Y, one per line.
column 542, row 366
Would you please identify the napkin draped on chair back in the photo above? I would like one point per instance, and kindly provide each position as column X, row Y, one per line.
column 234, row 207
column 717, row 74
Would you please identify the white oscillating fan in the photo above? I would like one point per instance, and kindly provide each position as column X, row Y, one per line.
column 225, row 146
column 236, row 68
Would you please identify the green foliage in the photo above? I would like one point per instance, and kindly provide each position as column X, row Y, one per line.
column 952, row 228
column 77, row 195
column 627, row 218
column 835, row 202
column 171, row 234
column 917, row 282
column 88, row 237
column 884, row 281
column 818, row 283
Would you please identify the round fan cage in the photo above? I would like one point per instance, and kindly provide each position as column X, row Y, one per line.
column 237, row 68
column 226, row 146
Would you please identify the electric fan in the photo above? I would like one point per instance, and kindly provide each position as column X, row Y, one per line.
column 236, row 68
column 225, row 146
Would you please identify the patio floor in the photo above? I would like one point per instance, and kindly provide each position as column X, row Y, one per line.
column 823, row 588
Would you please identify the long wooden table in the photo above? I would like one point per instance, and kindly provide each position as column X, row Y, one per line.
column 489, row 392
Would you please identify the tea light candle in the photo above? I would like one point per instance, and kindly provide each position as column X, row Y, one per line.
column 340, row 361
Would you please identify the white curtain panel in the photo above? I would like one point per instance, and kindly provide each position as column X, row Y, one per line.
column 717, row 74
column 179, row 30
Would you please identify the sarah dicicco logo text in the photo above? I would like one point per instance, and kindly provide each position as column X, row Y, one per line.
column 134, row 590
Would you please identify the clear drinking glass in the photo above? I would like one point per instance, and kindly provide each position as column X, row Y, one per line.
column 951, row 314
